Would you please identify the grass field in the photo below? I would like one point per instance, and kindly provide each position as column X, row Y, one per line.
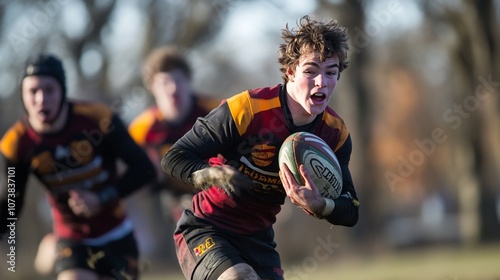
column 441, row 264
column 438, row 263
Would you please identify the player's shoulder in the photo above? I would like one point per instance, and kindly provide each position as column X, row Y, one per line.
column 255, row 100
column 205, row 102
column 333, row 119
column 265, row 92
column 258, row 93
column 146, row 117
column 13, row 139
column 94, row 110
column 94, row 114
column 335, row 131
column 140, row 126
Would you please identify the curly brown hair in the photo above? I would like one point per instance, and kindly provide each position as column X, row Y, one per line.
column 164, row 59
column 328, row 39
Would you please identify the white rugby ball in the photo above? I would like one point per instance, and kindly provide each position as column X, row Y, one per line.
column 318, row 159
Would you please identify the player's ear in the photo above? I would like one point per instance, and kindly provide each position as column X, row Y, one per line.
column 290, row 74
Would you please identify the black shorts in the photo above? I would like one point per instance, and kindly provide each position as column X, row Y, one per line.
column 117, row 259
column 205, row 251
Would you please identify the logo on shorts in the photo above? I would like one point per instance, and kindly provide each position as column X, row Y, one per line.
column 204, row 247
column 65, row 252
column 94, row 258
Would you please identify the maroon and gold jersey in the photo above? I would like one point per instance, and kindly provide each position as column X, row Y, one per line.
column 246, row 132
column 83, row 155
column 150, row 129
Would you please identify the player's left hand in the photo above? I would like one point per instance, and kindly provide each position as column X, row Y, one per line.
column 84, row 203
column 307, row 196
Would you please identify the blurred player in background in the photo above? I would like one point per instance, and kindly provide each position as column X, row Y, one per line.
column 73, row 149
column 228, row 234
column 168, row 76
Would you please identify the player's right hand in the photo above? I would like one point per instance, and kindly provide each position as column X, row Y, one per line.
column 306, row 197
column 226, row 177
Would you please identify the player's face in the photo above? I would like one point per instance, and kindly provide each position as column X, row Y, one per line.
column 310, row 87
column 172, row 93
column 42, row 96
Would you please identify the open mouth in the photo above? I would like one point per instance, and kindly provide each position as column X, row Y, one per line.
column 44, row 114
column 318, row 97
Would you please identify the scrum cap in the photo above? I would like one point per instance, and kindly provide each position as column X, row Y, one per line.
column 46, row 64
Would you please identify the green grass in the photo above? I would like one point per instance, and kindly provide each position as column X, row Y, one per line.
column 450, row 264
column 441, row 264
column 438, row 263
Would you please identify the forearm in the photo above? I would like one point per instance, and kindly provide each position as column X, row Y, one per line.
column 138, row 174
column 139, row 169
column 346, row 210
column 179, row 162
column 208, row 137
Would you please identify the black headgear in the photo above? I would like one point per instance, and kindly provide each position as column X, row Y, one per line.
column 46, row 64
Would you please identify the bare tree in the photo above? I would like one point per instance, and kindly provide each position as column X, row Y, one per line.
column 475, row 59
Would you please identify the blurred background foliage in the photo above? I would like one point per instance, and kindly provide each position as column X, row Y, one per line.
column 421, row 98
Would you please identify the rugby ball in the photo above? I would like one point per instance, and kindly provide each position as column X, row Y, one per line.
column 318, row 159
